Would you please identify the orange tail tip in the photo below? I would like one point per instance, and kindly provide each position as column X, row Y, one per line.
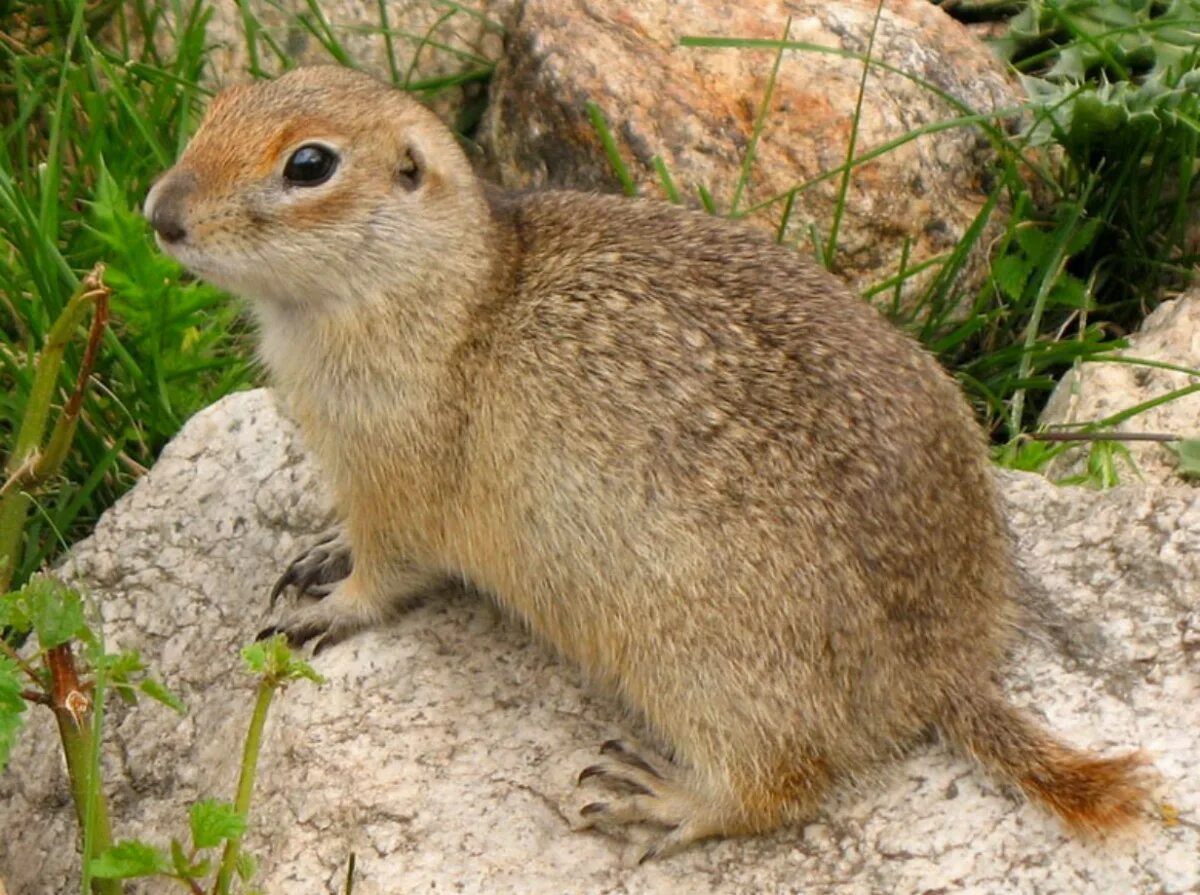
column 1092, row 794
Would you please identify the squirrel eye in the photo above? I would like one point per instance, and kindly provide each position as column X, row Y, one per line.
column 310, row 165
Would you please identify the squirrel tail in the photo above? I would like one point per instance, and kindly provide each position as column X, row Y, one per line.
column 1090, row 793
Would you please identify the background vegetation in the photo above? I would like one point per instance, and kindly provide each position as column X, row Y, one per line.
column 87, row 125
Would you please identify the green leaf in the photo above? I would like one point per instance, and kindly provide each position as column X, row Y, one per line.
column 246, row 867
column 120, row 666
column 1011, row 273
column 255, row 657
column 158, row 691
column 12, row 706
column 1069, row 291
column 298, row 669
column 1084, row 236
column 178, row 858
column 124, row 670
column 214, row 821
column 57, row 611
column 14, row 613
column 183, row 869
column 1188, row 452
column 130, row 858
column 1036, row 243
column 274, row 660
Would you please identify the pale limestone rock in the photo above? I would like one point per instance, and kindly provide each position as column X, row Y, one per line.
column 442, row 750
column 696, row 108
column 1094, row 391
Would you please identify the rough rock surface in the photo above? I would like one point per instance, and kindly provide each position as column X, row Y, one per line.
column 1094, row 391
column 442, row 751
column 696, row 107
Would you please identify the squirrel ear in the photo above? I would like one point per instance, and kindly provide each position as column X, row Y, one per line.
column 411, row 170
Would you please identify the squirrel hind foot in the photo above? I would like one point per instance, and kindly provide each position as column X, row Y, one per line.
column 647, row 790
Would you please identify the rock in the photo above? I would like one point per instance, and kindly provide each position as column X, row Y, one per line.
column 696, row 108
column 442, row 750
column 1097, row 390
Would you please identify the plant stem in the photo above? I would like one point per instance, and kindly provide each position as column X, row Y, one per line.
column 1050, row 275
column 63, row 432
column 71, row 706
column 241, row 804
column 1104, row 436
column 839, row 207
column 759, row 121
column 14, row 507
column 24, row 464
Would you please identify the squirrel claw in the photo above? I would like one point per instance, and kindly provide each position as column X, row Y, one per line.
column 593, row 770
column 329, row 622
column 266, row 633
column 615, row 778
column 626, row 770
column 624, row 753
column 298, row 634
column 674, row 840
column 316, row 571
column 332, row 637
column 648, row 792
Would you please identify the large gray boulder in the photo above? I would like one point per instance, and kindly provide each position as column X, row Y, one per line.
column 442, row 750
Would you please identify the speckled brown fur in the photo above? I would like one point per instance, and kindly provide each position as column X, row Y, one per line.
column 686, row 457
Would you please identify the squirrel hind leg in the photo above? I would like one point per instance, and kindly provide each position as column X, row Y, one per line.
column 647, row 790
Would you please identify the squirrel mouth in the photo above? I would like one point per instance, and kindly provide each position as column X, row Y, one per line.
column 200, row 264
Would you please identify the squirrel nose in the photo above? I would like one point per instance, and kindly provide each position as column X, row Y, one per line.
column 165, row 205
column 168, row 226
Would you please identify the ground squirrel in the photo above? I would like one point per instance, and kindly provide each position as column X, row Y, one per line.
column 685, row 456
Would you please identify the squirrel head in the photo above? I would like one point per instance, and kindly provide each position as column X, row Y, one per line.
column 306, row 188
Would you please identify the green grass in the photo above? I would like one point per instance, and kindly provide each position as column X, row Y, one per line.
column 91, row 113
column 86, row 129
column 87, row 123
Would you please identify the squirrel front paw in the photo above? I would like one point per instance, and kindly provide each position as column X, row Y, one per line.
column 368, row 594
column 319, row 569
column 334, row 618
